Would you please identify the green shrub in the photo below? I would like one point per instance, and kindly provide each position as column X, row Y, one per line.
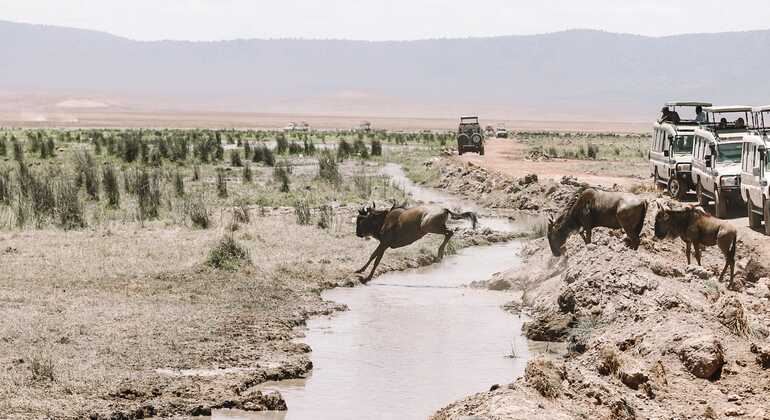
column 228, row 255
column 221, row 184
column 344, row 150
column 235, row 158
column 326, row 217
column 377, row 148
column 302, row 212
column 248, row 175
column 196, row 210
column 281, row 174
column 179, row 184
column 148, row 195
column 269, row 157
column 281, row 144
column 70, row 211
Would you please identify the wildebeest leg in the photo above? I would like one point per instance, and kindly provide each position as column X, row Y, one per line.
column 696, row 250
column 587, row 235
column 687, row 251
column 728, row 250
column 376, row 263
column 447, row 236
column 380, row 247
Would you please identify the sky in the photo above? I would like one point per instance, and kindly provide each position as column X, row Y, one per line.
column 378, row 20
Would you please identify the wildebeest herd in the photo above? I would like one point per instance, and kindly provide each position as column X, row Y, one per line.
column 589, row 208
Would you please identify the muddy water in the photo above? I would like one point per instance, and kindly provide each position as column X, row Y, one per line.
column 412, row 341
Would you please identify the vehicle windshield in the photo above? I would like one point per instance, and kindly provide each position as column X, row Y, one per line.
column 730, row 153
column 682, row 144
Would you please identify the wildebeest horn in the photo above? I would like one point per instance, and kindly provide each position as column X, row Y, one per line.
column 550, row 219
column 373, row 205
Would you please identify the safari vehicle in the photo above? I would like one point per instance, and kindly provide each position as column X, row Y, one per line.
column 469, row 136
column 716, row 161
column 489, row 131
column 755, row 170
column 501, row 132
column 671, row 150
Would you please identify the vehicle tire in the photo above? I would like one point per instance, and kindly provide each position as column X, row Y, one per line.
column 676, row 188
column 460, row 151
column 766, row 214
column 476, row 139
column 481, row 152
column 755, row 220
column 702, row 200
column 720, row 204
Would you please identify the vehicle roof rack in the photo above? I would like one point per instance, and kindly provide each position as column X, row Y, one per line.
column 728, row 108
column 763, row 108
column 688, row 103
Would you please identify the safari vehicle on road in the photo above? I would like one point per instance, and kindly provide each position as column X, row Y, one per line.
column 501, row 132
column 717, row 150
column 755, row 170
column 470, row 138
column 671, row 150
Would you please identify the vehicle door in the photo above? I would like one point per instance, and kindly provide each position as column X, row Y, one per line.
column 747, row 170
column 656, row 151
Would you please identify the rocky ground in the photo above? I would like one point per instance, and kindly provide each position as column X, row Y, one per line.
column 647, row 336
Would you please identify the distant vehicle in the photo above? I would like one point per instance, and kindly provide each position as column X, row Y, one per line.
column 293, row 127
column 365, row 127
column 501, row 132
column 755, row 170
column 717, row 150
column 670, row 152
column 469, row 136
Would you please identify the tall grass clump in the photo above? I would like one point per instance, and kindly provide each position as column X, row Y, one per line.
column 241, row 213
column 281, row 144
column 221, row 184
column 197, row 212
column 88, row 174
column 70, row 211
column 248, row 175
column 592, row 151
column 281, row 174
column 269, row 157
column 326, row 216
column 309, row 147
column 259, row 154
column 302, row 212
column 5, row 187
column 178, row 184
column 111, row 187
column 376, row 148
column 359, row 148
column 227, row 255
column 235, row 158
column 3, row 147
column 344, row 150
column 328, row 168
column 18, row 150
column 148, row 196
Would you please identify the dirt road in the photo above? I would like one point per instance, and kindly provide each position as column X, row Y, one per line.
column 507, row 156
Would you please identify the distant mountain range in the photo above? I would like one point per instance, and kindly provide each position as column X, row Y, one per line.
column 573, row 74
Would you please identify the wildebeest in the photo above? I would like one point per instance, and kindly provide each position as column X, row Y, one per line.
column 400, row 226
column 590, row 208
column 696, row 227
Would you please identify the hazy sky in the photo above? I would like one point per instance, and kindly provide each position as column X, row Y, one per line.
column 385, row 19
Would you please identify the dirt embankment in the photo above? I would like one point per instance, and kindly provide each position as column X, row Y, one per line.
column 647, row 336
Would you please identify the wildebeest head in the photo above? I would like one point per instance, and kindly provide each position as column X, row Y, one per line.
column 556, row 238
column 369, row 221
column 671, row 222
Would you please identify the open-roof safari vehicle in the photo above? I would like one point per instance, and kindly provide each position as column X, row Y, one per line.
column 716, row 162
column 671, row 149
column 755, row 170
column 501, row 132
column 469, row 136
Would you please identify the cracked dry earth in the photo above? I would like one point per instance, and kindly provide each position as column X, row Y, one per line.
column 647, row 336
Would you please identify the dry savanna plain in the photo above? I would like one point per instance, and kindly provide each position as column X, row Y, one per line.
column 167, row 272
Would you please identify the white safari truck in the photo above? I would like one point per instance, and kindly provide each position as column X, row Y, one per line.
column 671, row 148
column 755, row 170
column 717, row 150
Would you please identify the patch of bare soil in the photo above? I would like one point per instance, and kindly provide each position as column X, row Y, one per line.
column 513, row 159
column 128, row 322
column 647, row 336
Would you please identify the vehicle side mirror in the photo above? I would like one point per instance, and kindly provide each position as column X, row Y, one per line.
column 708, row 160
column 666, row 153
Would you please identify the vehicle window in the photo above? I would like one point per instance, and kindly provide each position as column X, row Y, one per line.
column 730, row 153
column 683, row 144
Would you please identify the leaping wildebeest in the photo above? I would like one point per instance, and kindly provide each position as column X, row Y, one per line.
column 590, row 208
column 400, row 226
column 696, row 228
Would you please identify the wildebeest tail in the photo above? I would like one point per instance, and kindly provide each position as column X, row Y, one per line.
column 640, row 226
column 465, row 215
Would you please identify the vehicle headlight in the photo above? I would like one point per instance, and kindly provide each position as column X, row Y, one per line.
column 731, row 181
